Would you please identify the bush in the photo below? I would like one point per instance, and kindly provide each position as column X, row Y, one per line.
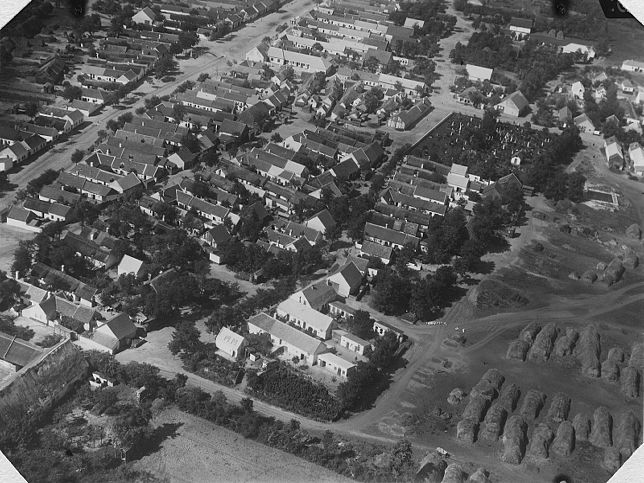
column 286, row 388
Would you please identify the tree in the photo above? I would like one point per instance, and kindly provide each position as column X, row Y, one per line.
column 163, row 66
column 246, row 404
column 276, row 137
column 72, row 92
column 185, row 340
column 77, row 156
column 178, row 111
column 361, row 324
column 203, row 76
column 190, row 142
column 402, row 458
column 31, row 109
column 384, row 351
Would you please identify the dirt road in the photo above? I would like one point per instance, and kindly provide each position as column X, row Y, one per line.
column 221, row 52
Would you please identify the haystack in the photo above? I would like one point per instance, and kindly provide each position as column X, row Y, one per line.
column 495, row 377
column 514, row 440
column 630, row 382
column 627, row 433
column 432, row 468
column 455, row 396
column 476, row 408
column 540, row 442
column 634, row 231
column 565, row 343
column 587, row 351
column 509, row 397
column 559, row 407
column 631, row 261
column 589, row 276
column 467, row 429
column 615, row 354
column 517, row 350
column 610, row 371
column 581, row 423
column 564, row 441
column 529, row 332
column 479, row 476
column 454, row 474
column 543, row 344
column 601, row 434
column 614, row 271
column 612, row 459
column 494, row 421
column 532, row 404
column 484, row 389
column 637, row 356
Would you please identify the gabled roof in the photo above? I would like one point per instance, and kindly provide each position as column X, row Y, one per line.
column 120, row 326
column 479, row 72
column 318, row 294
column 351, row 274
column 525, row 23
column 374, row 249
column 325, row 218
column 311, row 317
column 288, row 334
column 229, row 341
column 387, row 234
column 516, row 99
column 130, row 264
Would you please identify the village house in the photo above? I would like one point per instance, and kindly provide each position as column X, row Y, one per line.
column 405, row 120
column 372, row 249
column 388, row 237
column 346, row 281
column 336, row 365
column 130, row 266
column 584, row 124
column 636, row 155
column 297, row 343
column 230, row 343
column 477, row 73
column 633, row 66
column 521, row 28
column 381, row 328
column 308, row 319
column 514, row 105
column 317, row 296
column 354, row 343
column 578, row 90
column 340, row 309
column 116, row 334
column 614, row 153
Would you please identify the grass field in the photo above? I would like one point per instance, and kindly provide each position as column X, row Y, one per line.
column 201, row 451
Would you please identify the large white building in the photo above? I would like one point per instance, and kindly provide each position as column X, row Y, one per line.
column 297, row 343
column 308, row 319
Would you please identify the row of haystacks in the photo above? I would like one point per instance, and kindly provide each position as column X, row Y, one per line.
column 540, row 344
column 435, row 469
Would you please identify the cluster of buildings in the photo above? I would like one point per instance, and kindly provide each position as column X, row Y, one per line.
column 304, row 327
column 624, row 157
column 347, row 32
column 210, row 23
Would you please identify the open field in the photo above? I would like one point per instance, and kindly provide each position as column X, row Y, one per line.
column 10, row 236
column 201, row 451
